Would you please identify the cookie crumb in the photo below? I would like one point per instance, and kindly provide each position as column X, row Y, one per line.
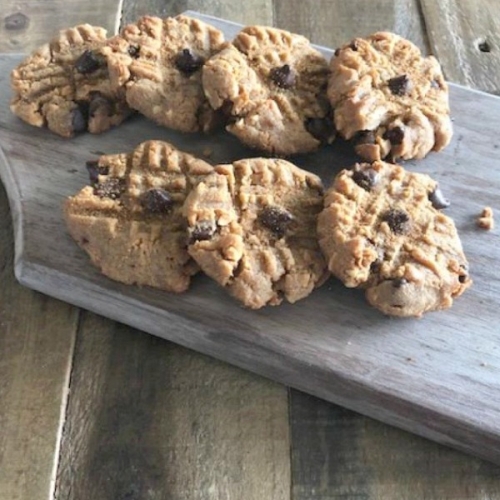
column 485, row 220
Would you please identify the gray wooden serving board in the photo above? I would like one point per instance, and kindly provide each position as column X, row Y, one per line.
column 438, row 376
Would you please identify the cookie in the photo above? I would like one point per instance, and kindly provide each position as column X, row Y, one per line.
column 252, row 228
column 389, row 99
column 129, row 219
column 64, row 85
column 485, row 219
column 158, row 63
column 272, row 84
column 382, row 229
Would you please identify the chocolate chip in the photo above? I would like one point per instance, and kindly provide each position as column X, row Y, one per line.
column 133, row 51
column 438, row 200
column 100, row 105
column 321, row 129
column 89, row 62
column 203, row 231
column 110, row 188
column 366, row 178
column 399, row 282
column 276, row 219
column 366, row 137
column 462, row 278
column 397, row 220
column 80, row 117
column 283, row 76
column 157, row 201
column 336, row 53
column 375, row 266
column 394, row 135
column 95, row 171
column 354, row 45
column 188, row 62
column 399, row 85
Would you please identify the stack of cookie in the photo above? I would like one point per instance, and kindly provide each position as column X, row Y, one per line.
column 262, row 228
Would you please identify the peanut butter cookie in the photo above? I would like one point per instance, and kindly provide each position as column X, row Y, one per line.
column 64, row 85
column 389, row 98
column 129, row 219
column 382, row 229
column 252, row 228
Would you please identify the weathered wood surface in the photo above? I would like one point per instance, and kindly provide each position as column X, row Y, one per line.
column 36, row 345
column 334, row 23
column 28, row 24
column 150, row 420
column 330, row 445
column 465, row 36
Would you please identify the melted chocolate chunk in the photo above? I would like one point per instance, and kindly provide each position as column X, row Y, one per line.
column 399, row 85
column 133, row 51
column 283, row 76
column 203, row 231
column 394, row 135
column 89, row 62
column 95, row 171
column 366, row 137
column 110, row 188
column 397, row 220
column 100, row 105
column 188, row 62
column 438, row 200
column 321, row 129
column 354, row 45
column 365, row 178
column 375, row 266
column 399, row 282
column 157, row 201
column 80, row 117
column 276, row 219
column 462, row 278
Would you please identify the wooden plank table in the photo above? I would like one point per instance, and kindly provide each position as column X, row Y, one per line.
column 91, row 409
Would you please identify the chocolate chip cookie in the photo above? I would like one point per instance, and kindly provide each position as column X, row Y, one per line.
column 382, row 229
column 129, row 219
column 64, row 85
column 388, row 98
column 252, row 228
column 272, row 84
column 158, row 62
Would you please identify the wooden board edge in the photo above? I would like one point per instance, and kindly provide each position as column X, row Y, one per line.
column 336, row 388
column 15, row 203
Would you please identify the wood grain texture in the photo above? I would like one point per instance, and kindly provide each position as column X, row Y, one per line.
column 150, row 420
column 338, row 455
column 465, row 36
column 28, row 24
column 248, row 12
column 36, row 346
column 334, row 23
column 349, row 354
